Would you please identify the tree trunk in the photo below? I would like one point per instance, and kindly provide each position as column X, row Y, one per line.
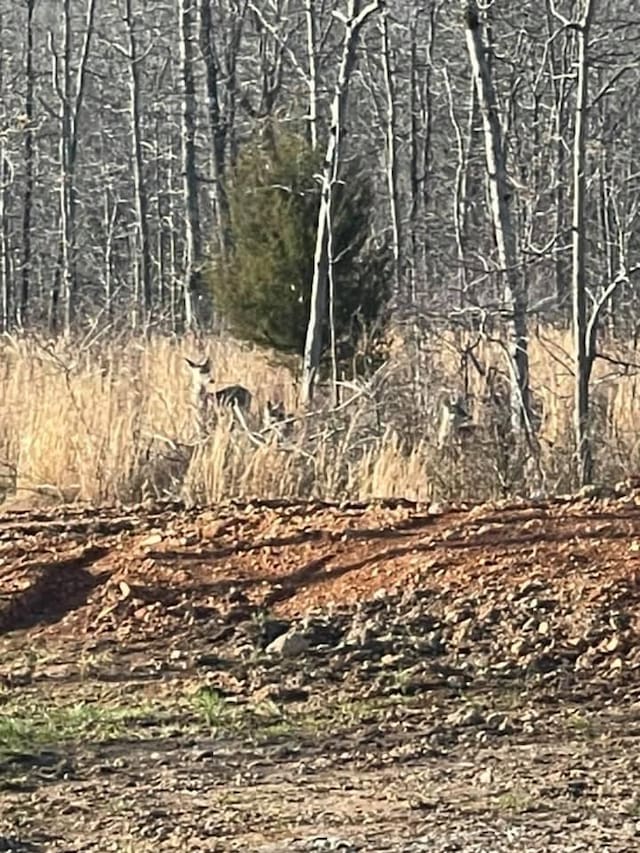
column 70, row 105
column 6, row 287
column 66, row 180
column 583, row 356
column 143, row 260
column 310, row 17
column 515, row 296
column 110, row 214
column 391, row 153
column 25, row 284
column 217, row 128
column 460, row 200
column 174, row 275
column 190, row 178
column 560, row 79
column 356, row 17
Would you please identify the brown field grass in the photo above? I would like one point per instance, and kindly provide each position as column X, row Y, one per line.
column 113, row 421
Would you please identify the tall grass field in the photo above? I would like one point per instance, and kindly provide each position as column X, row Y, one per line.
column 108, row 421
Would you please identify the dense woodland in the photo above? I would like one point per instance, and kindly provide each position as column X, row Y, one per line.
column 501, row 140
column 121, row 121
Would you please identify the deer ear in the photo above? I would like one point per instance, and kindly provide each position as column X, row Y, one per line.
column 190, row 363
column 206, row 365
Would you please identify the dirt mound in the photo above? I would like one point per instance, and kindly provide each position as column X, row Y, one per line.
column 560, row 579
column 278, row 676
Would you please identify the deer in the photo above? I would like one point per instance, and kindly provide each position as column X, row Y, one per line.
column 205, row 396
column 456, row 423
column 275, row 419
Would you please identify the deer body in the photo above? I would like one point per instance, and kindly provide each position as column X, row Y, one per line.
column 207, row 398
column 232, row 395
column 276, row 421
column 456, row 423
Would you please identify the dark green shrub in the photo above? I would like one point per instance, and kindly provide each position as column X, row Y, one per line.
column 262, row 290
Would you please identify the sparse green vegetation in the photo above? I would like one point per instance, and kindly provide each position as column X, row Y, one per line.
column 581, row 723
column 516, row 801
column 25, row 726
column 213, row 708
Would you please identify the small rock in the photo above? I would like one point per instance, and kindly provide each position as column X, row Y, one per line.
column 455, row 615
column 470, row 715
column 463, row 631
column 576, row 787
column 359, row 634
column 612, row 644
column 519, row 648
column 489, row 614
column 391, row 660
column 125, row 590
column 544, row 663
column 288, row 645
column 498, row 721
column 273, row 693
column 329, row 843
column 485, row 777
column 270, row 629
column 434, row 642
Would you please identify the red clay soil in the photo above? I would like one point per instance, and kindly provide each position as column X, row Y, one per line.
column 148, row 570
column 483, row 697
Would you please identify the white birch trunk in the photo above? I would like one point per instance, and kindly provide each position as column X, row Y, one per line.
column 583, row 358
column 142, row 300
column 515, row 297
column 310, row 18
column 190, row 180
column 356, row 17
column 391, row 153
column 25, row 284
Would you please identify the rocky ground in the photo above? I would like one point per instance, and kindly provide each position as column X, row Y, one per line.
column 276, row 677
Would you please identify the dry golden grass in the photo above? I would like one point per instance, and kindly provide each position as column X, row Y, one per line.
column 113, row 421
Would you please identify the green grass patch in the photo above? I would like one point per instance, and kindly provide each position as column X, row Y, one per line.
column 516, row 801
column 35, row 725
column 33, row 722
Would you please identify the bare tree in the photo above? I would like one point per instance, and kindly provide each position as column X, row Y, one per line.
column 70, row 99
column 356, row 17
column 193, row 250
column 142, row 260
column 515, row 296
column 312, row 76
column 220, row 107
column 559, row 58
column 6, row 272
column 25, row 284
column 391, row 150
column 6, row 178
column 421, row 113
column 578, row 279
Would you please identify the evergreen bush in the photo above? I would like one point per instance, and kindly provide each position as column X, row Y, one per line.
column 262, row 289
